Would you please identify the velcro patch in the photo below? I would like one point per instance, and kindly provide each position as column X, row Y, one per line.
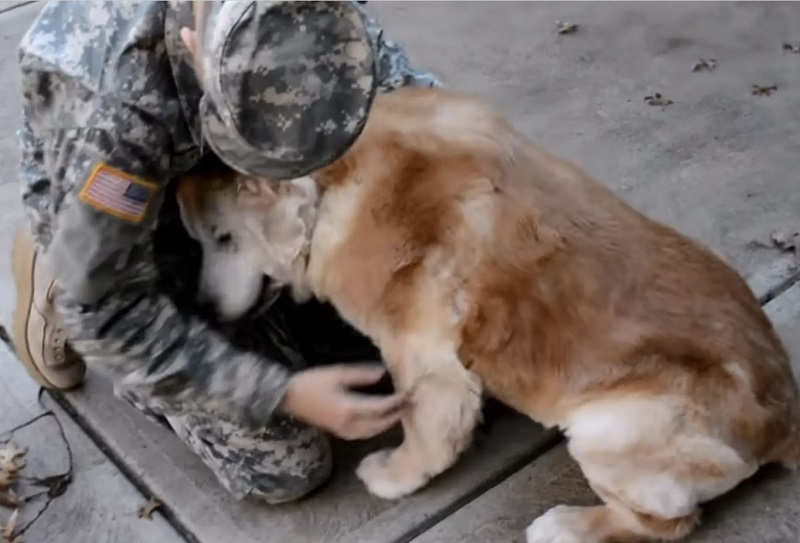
column 117, row 193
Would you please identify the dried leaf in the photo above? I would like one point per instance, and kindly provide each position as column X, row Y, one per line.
column 8, row 498
column 657, row 100
column 12, row 457
column 764, row 90
column 787, row 241
column 12, row 460
column 7, row 479
column 147, row 509
column 8, row 476
column 792, row 47
column 564, row 27
column 707, row 64
column 9, row 527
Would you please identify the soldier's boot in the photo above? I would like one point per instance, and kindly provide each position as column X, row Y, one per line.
column 37, row 336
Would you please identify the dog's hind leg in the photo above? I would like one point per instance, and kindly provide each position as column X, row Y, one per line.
column 651, row 465
column 445, row 409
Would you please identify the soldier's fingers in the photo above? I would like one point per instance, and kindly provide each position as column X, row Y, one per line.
column 361, row 375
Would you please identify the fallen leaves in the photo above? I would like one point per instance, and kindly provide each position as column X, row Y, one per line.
column 792, row 47
column 7, row 479
column 12, row 460
column 9, row 527
column 707, row 64
column 146, row 511
column 9, row 498
column 787, row 241
column 764, row 90
column 657, row 100
column 563, row 27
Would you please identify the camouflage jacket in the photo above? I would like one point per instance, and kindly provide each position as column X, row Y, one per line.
column 111, row 83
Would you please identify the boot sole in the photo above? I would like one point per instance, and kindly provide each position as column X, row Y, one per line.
column 23, row 261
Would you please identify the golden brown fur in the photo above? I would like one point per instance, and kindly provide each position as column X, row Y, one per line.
column 480, row 263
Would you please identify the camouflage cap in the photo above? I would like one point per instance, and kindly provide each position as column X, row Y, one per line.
column 288, row 85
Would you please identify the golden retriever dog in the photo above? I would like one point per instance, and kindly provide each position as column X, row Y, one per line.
column 481, row 264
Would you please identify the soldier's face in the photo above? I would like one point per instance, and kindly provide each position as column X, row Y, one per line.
column 189, row 38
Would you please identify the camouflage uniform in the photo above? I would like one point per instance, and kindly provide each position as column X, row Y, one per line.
column 112, row 114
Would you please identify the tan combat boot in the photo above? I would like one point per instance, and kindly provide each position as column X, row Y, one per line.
column 38, row 338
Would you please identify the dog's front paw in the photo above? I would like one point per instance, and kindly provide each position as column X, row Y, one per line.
column 561, row 524
column 387, row 476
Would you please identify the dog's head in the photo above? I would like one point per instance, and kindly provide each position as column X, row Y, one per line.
column 247, row 228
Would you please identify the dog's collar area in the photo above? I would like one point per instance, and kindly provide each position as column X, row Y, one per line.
column 309, row 214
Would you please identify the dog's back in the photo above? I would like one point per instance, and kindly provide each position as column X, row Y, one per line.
column 478, row 261
column 552, row 290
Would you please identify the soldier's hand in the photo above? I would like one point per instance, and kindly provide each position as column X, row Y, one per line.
column 322, row 397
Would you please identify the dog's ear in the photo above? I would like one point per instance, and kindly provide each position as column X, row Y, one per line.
column 255, row 193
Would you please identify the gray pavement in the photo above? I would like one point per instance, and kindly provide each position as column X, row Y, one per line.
column 718, row 163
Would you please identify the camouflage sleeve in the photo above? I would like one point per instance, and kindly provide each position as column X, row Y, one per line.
column 394, row 67
column 99, row 107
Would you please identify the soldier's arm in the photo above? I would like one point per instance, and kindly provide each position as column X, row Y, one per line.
column 98, row 116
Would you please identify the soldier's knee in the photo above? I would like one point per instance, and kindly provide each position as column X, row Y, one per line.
column 284, row 463
column 295, row 477
column 291, row 483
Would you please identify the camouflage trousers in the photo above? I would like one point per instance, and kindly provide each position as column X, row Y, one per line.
column 288, row 459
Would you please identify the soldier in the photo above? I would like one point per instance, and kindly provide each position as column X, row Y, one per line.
column 120, row 99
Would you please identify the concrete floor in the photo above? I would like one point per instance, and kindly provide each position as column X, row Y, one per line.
column 719, row 163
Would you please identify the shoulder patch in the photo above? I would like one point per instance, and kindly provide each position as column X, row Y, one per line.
column 117, row 193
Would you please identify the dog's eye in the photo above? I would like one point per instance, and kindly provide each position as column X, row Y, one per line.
column 224, row 239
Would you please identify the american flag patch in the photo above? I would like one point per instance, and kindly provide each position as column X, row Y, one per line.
column 117, row 193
